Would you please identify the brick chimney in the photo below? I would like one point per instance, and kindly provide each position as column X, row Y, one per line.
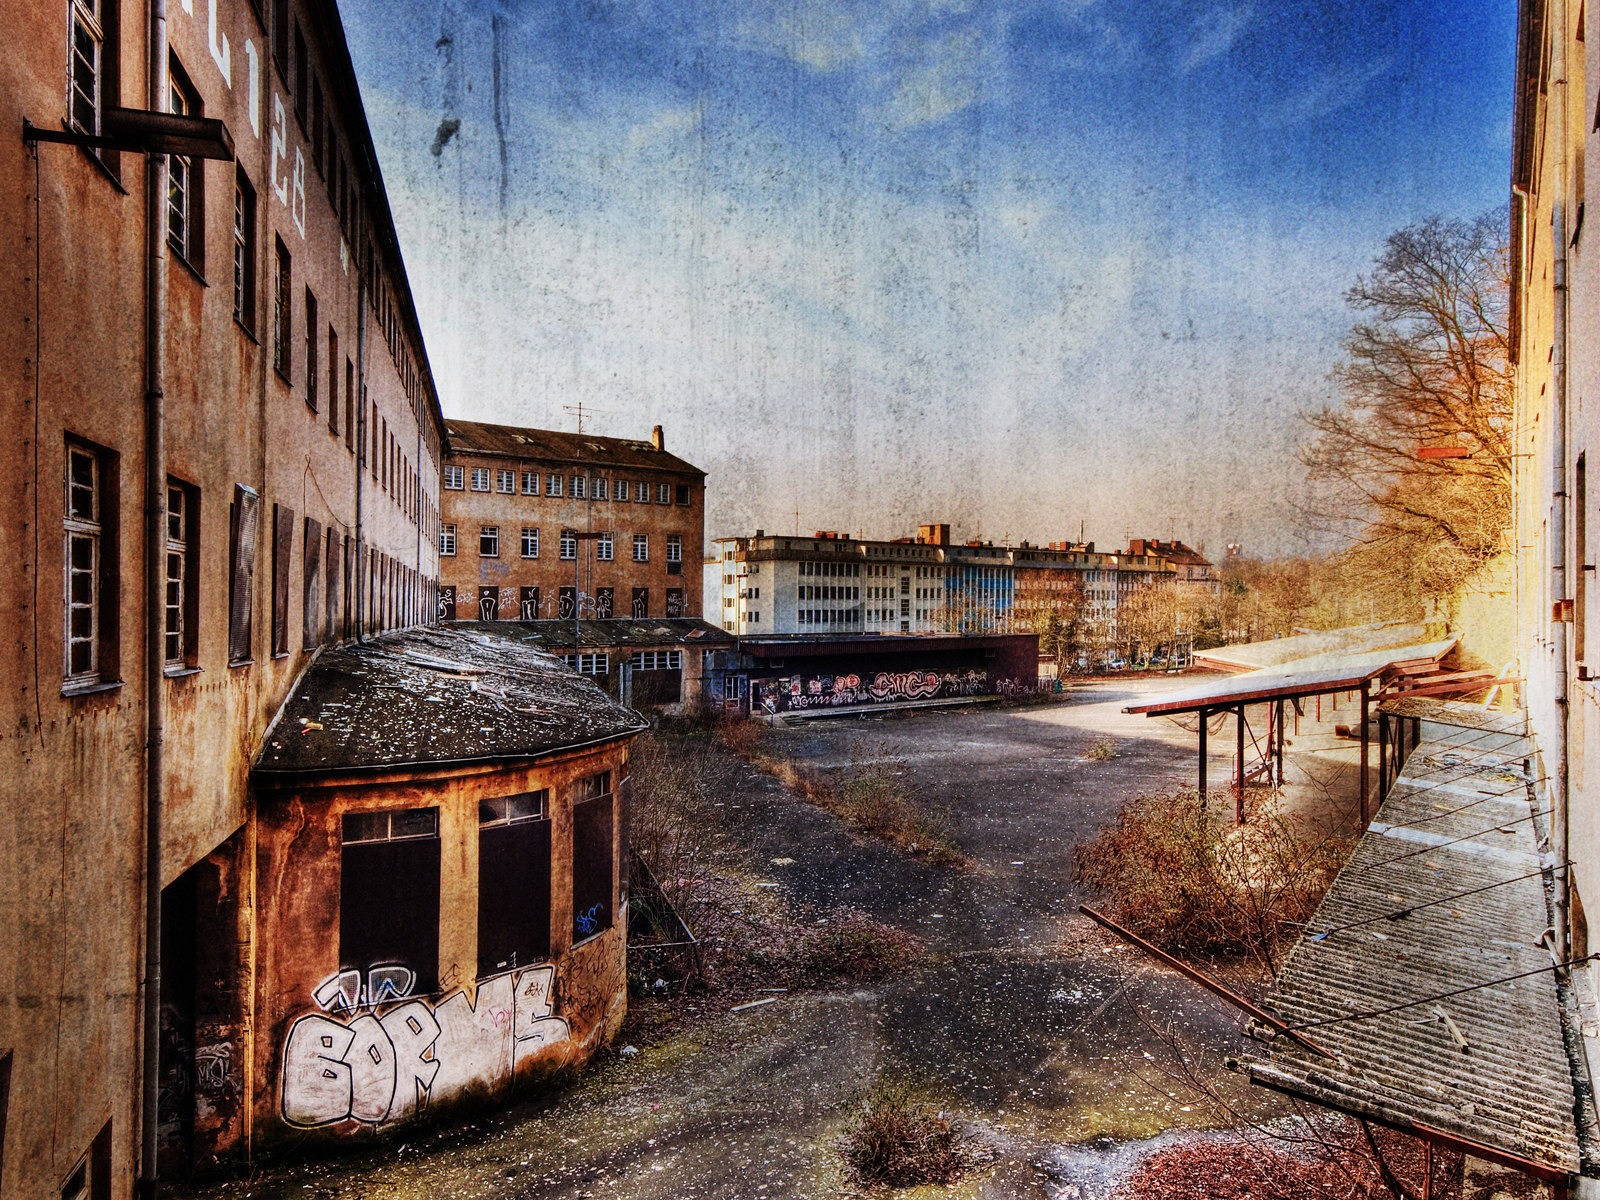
column 656, row 439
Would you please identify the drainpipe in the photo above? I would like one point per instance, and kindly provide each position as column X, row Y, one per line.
column 361, row 437
column 1558, row 462
column 155, row 509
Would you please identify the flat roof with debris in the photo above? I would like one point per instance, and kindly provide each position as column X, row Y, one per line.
column 432, row 698
column 556, row 634
column 1426, row 971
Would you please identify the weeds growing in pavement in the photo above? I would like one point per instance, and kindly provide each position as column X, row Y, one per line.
column 1101, row 749
column 869, row 795
column 898, row 1140
column 1192, row 881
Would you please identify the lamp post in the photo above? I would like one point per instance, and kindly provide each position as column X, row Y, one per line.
column 577, row 608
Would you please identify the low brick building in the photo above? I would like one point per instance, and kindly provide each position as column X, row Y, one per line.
column 541, row 524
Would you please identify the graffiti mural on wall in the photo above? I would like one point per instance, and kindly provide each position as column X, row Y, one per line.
column 828, row 691
column 351, row 1062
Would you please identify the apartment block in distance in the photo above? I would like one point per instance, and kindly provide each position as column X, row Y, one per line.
column 540, row 524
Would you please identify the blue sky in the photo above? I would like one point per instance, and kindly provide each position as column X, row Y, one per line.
column 1012, row 265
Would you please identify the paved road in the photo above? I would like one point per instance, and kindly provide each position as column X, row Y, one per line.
column 1026, row 1029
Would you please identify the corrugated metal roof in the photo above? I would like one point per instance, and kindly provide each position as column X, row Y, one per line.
column 1488, row 1064
column 554, row 445
column 1302, row 677
column 433, row 697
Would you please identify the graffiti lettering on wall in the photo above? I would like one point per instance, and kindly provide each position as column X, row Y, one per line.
column 827, row 691
column 351, row 1062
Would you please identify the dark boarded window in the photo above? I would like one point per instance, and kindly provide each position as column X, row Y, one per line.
column 245, row 520
column 592, row 861
column 513, row 881
column 389, row 894
column 282, row 549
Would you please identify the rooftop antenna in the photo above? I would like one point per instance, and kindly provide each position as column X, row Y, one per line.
column 1080, row 531
column 797, row 514
column 580, row 410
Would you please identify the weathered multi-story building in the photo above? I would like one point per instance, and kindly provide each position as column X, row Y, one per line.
column 225, row 466
column 831, row 583
column 542, row 524
column 1190, row 567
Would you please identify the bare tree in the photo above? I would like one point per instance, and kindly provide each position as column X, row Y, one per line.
column 1426, row 365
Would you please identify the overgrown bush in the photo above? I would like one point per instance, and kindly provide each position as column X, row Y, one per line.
column 1101, row 749
column 1193, row 881
column 900, row 1141
column 675, row 822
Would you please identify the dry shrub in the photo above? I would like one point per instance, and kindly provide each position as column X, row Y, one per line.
column 1340, row 1163
column 1101, row 749
column 1192, row 881
column 898, row 1140
column 675, row 822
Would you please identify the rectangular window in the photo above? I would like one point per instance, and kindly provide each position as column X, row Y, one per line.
column 664, row 493
column 641, row 547
column 567, row 603
column 90, row 576
column 674, row 549
column 683, row 493
column 182, row 575
column 85, row 62
column 578, row 485
column 569, row 545
column 488, row 603
column 605, row 603
column 530, row 483
column 489, row 541
column 554, row 488
column 281, row 301
column 301, row 71
column 530, row 543
column 513, row 881
column 641, row 603
column 593, row 857
column 454, row 478
column 332, row 583
column 244, row 251
column 588, row 664
column 350, row 406
column 505, row 482
column 282, row 551
column 658, row 660
column 311, row 583
column 185, row 180
column 602, row 489
column 528, row 599
column 244, row 521
column 480, row 479
column 604, row 548
column 389, row 896
column 333, row 381
column 676, row 603
column 312, row 331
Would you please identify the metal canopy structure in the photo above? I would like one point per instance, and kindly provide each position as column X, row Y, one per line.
column 1407, row 670
column 1425, row 977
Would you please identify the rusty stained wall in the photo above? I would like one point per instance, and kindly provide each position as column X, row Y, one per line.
column 326, row 1067
column 468, row 571
column 72, row 365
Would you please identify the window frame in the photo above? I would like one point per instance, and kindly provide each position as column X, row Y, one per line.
column 530, row 541
column 488, row 541
column 282, row 312
column 186, row 179
column 569, row 546
column 480, row 473
column 641, row 547
column 180, row 641
column 605, row 548
column 244, row 251
column 455, row 478
column 530, row 483
column 447, row 540
column 505, row 482
column 96, row 528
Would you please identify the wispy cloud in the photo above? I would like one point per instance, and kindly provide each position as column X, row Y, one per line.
column 1326, row 95
column 1216, row 32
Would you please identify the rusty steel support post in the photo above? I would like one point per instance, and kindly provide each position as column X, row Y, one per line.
column 1238, row 782
column 1365, row 742
column 1202, row 762
column 1383, row 755
column 1279, row 747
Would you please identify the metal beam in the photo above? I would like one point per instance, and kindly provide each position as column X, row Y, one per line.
column 1366, row 701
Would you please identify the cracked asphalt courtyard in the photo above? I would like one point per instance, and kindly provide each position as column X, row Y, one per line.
column 1022, row 1023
